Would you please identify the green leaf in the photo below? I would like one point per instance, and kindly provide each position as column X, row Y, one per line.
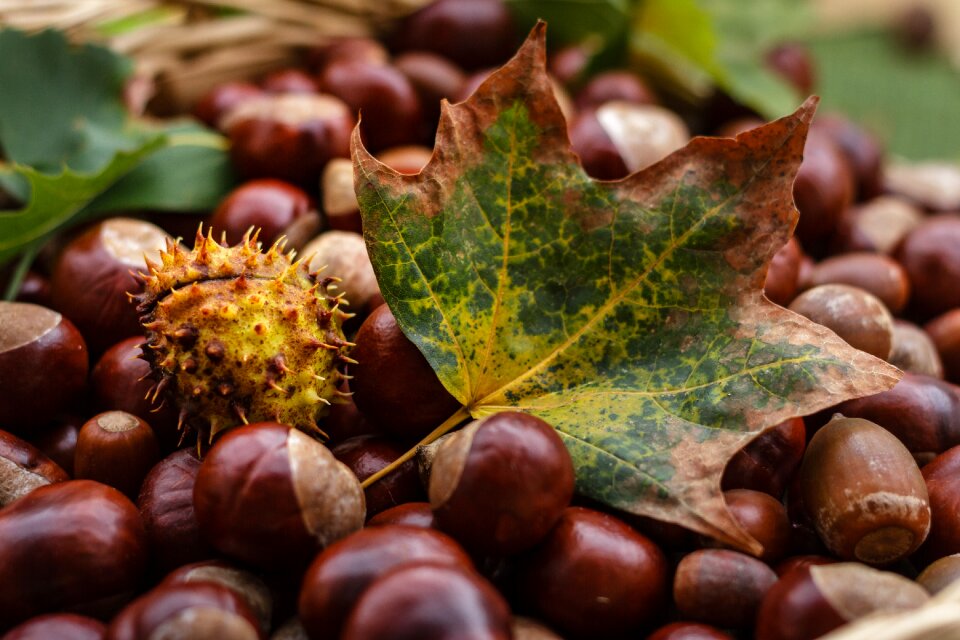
column 628, row 314
column 694, row 45
column 193, row 173
column 575, row 21
column 61, row 104
column 911, row 101
column 74, row 153
column 58, row 200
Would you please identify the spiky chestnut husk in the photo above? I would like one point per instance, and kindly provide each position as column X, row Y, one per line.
column 237, row 335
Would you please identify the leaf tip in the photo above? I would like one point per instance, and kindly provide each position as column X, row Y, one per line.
column 807, row 110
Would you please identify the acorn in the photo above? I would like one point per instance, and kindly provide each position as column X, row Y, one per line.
column 235, row 335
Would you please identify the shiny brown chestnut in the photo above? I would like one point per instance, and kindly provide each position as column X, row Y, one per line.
column 942, row 476
column 166, row 506
column 875, row 273
column 384, row 96
column 863, row 492
column 862, row 150
column 221, row 99
column 275, row 207
column 811, row 601
column 501, row 483
column 118, row 449
column 60, row 442
column 688, row 631
column 121, row 382
column 393, row 384
column 795, row 562
column 593, row 576
column 342, row 572
column 764, row 518
column 254, row 591
column 413, row 514
column 58, row 626
column 32, row 396
column 288, row 136
column 94, row 273
column 344, row 419
column 640, row 134
column 823, row 189
column 199, row 611
column 472, row 33
column 930, row 254
column 23, row 468
column 877, row 225
column 365, row 455
column 343, row 254
column 76, row 545
column 721, row 587
column 944, row 330
column 600, row 158
column 913, row 350
column 940, row 574
column 783, row 275
column 271, row 496
column 922, row 412
column 620, row 85
column 768, row 462
column 441, row 602
column 855, row 315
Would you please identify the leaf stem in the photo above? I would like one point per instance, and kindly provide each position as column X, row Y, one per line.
column 445, row 428
column 20, row 272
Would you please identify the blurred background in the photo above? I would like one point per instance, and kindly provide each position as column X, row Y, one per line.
column 889, row 64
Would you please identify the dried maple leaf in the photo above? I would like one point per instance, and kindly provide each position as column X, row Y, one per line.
column 629, row 314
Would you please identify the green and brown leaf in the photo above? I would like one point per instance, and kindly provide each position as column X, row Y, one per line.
column 628, row 314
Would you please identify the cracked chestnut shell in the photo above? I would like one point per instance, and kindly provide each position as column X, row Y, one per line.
column 199, row 611
column 501, row 483
column 94, row 273
column 809, row 602
column 271, row 496
column 23, row 468
column 32, row 396
column 864, row 492
column 288, row 136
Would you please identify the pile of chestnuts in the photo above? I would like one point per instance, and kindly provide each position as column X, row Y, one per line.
column 112, row 526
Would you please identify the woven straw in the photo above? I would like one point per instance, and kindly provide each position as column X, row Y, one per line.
column 183, row 49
